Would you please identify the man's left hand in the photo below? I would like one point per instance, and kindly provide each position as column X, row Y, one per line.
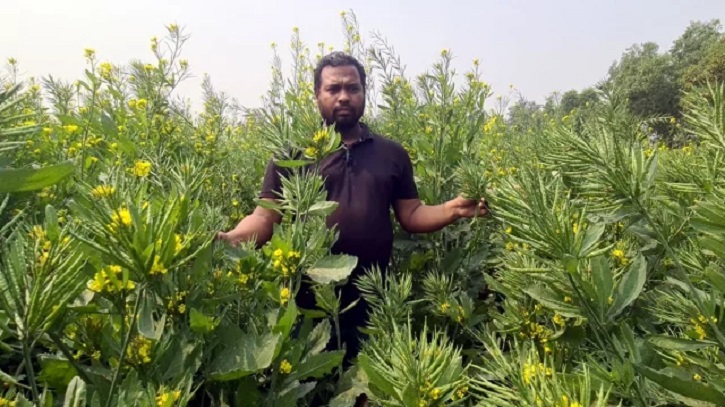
column 461, row 207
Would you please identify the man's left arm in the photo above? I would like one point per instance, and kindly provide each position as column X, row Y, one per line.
column 416, row 217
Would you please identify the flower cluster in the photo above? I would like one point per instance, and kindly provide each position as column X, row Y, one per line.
column 38, row 234
column 460, row 393
column 699, row 325
column 6, row 402
column 158, row 266
column 285, row 367
column 167, row 398
column 532, row 370
column 428, row 392
column 284, row 296
column 110, row 280
column 141, row 168
column 175, row 304
column 103, row 191
column 619, row 254
column 120, row 217
column 286, row 262
column 536, row 331
column 320, row 138
column 565, row 402
column 139, row 351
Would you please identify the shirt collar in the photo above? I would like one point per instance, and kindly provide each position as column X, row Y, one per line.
column 365, row 136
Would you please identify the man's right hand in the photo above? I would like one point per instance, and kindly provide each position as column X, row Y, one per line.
column 258, row 226
column 233, row 237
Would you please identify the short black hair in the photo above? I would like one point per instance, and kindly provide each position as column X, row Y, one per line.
column 338, row 58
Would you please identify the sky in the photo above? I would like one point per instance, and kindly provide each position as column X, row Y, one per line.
column 536, row 46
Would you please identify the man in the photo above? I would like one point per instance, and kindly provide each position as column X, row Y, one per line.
column 367, row 177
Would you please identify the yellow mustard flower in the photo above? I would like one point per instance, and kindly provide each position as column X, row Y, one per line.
column 141, row 168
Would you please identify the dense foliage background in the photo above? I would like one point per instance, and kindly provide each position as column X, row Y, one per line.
column 598, row 279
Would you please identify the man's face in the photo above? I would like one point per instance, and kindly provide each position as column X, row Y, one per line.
column 340, row 99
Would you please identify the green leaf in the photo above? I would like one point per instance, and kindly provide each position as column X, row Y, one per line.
column 56, row 371
column 241, row 354
column 603, row 281
column 146, row 324
column 75, row 394
column 51, row 223
column 108, row 125
column 66, row 120
column 651, row 172
column 7, row 379
column 678, row 344
column 333, row 268
column 318, row 339
column 591, row 238
column 292, row 163
column 409, row 395
column 294, row 391
column 199, row 322
column 574, row 335
column 630, row 286
column 375, row 379
column 709, row 219
column 352, row 384
column 248, row 394
column 713, row 245
column 323, row 208
column 46, row 399
column 688, row 388
column 287, row 320
column 29, row 179
column 316, row 366
column 453, row 260
column 263, row 203
column 552, row 301
column 705, row 226
column 202, row 263
column 715, row 276
column 21, row 401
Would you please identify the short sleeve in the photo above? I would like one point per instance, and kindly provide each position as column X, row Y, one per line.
column 405, row 187
column 272, row 183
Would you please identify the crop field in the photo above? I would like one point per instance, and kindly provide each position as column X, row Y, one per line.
column 597, row 279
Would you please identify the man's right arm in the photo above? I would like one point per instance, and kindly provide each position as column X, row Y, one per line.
column 257, row 227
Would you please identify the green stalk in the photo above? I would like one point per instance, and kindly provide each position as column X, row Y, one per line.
column 31, row 373
column 336, row 321
column 66, row 352
column 604, row 334
column 124, row 348
column 85, row 130
column 682, row 274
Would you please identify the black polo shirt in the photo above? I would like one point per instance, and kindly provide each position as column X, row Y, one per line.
column 365, row 180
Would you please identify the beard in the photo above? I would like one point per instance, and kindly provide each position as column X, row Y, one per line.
column 345, row 121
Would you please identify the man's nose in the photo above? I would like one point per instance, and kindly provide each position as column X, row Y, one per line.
column 343, row 97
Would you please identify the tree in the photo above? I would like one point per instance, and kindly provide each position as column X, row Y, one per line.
column 526, row 115
column 711, row 68
column 552, row 106
column 694, row 44
column 569, row 101
column 647, row 79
